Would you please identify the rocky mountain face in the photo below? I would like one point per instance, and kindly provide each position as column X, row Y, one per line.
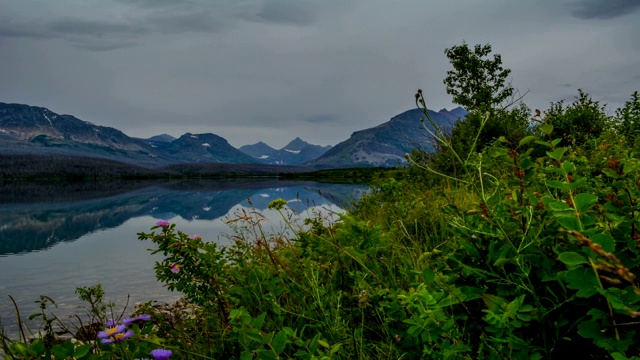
column 37, row 125
column 166, row 138
column 204, row 148
column 296, row 152
column 37, row 130
column 259, row 150
column 386, row 144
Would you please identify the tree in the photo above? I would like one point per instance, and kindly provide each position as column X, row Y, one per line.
column 477, row 82
column 583, row 119
column 628, row 118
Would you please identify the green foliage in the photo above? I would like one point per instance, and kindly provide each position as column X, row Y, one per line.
column 479, row 85
column 585, row 118
column 475, row 82
column 628, row 118
column 85, row 344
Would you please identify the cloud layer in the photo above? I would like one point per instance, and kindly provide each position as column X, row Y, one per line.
column 272, row 70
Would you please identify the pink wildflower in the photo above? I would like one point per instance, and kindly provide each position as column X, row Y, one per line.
column 175, row 268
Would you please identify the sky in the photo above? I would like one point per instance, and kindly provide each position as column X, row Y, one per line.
column 273, row 70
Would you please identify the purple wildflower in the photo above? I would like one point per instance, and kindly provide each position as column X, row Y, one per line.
column 111, row 323
column 117, row 337
column 111, row 331
column 161, row 354
column 163, row 223
column 136, row 319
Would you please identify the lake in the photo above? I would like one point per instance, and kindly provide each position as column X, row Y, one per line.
column 56, row 237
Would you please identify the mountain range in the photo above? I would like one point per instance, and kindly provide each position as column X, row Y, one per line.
column 297, row 152
column 36, row 130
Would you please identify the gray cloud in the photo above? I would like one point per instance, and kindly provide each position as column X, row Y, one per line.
column 12, row 29
column 85, row 34
column 154, row 3
column 288, row 12
column 93, row 28
column 186, row 21
column 321, row 118
column 605, row 9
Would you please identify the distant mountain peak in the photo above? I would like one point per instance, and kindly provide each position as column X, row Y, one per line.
column 162, row 138
column 295, row 152
column 296, row 144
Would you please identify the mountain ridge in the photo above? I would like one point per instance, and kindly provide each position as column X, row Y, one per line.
column 34, row 130
column 37, row 130
column 296, row 152
column 387, row 143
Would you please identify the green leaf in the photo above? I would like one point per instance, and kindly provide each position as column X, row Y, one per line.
column 540, row 142
column 414, row 330
column 577, row 183
column 19, row 348
column 524, row 316
column 589, row 330
column 607, row 242
column 610, row 173
column 255, row 335
column 583, row 280
column 82, row 350
column 628, row 167
column 559, row 206
column 572, row 258
column 279, row 342
column 526, row 140
column 568, row 166
column 618, row 356
column 614, row 295
column 557, row 153
column 569, row 223
column 557, row 184
column 257, row 322
column 503, row 261
column 584, row 201
column 493, row 302
column 526, row 163
column 334, row 349
column 323, row 343
column 547, row 129
column 62, row 352
column 428, row 275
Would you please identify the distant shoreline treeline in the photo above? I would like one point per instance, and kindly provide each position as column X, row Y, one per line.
column 29, row 167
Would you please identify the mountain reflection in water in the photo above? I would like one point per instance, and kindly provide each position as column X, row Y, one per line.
column 48, row 215
column 56, row 237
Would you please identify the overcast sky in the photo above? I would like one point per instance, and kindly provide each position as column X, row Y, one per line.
column 271, row 70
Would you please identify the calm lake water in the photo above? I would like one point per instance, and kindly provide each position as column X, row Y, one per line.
column 54, row 238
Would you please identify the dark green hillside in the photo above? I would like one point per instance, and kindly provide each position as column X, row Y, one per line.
column 64, row 167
